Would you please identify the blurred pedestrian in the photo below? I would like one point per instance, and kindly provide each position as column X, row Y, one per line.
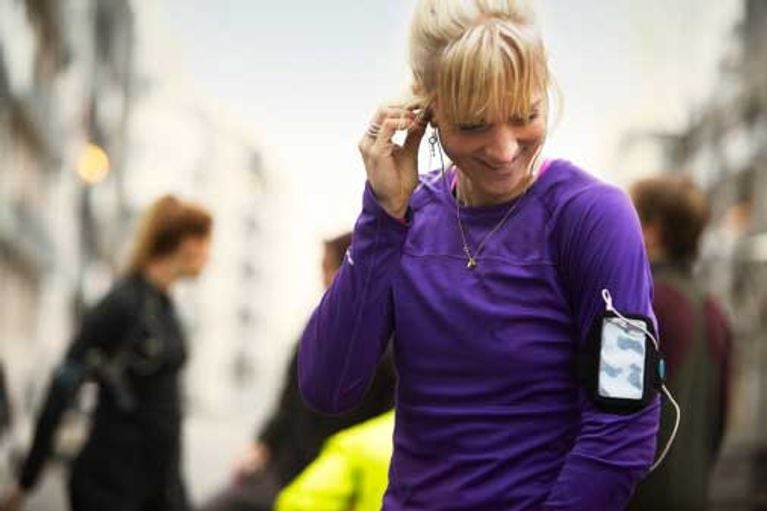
column 293, row 435
column 350, row 472
column 695, row 340
column 6, row 423
column 133, row 345
column 6, row 418
column 489, row 276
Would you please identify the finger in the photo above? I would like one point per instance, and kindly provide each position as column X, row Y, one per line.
column 414, row 136
column 397, row 114
column 383, row 114
column 390, row 111
column 389, row 127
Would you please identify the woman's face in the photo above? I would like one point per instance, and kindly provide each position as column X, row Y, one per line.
column 495, row 155
column 193, row 255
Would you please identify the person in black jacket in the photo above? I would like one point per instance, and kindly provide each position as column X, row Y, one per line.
column 293, row 435
column 133, row 345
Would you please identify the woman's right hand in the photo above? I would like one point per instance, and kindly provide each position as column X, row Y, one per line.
column 13, row 499
column 392, row 170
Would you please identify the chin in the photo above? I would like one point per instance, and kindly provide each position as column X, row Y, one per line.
column 502, row 186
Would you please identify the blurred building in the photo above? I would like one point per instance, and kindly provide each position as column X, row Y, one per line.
column 65, row 79
column 92, row 129
column 181, row 145
column 182, row 142
column 723, row 149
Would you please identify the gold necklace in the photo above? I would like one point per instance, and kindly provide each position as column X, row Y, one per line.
column 471, row 259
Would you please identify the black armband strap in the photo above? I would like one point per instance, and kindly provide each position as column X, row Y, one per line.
column 619, row 364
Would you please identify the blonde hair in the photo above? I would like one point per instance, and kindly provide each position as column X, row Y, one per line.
column 477, row 58
column 164, row 226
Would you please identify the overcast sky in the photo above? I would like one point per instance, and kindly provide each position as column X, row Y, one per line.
column 305, row 76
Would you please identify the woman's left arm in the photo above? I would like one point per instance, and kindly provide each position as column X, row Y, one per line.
column 601, row 247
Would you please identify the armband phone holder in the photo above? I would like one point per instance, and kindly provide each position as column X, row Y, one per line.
column 619, row 364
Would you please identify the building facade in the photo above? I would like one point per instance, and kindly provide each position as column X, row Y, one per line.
column 65, row 79
column 723, row 150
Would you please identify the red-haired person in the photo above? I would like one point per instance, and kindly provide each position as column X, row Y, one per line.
column 133, row 345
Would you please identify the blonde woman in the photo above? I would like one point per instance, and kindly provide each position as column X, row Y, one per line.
column 488, row 276
column 133, row 345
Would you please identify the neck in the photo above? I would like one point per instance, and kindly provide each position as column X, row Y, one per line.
column 161, row 273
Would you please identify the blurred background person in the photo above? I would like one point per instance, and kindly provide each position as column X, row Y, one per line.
column 293, row 435
column 695, row 340
column 133, row 345
column 351, row 471
column 5, row 404
column 6, row 419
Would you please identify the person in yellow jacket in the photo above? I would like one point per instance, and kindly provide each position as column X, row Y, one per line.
column 351, row 471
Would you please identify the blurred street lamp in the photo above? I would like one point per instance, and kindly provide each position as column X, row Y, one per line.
column 93, row 164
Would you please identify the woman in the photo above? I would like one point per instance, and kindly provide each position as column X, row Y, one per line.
column 133, row 345
column 488, row 277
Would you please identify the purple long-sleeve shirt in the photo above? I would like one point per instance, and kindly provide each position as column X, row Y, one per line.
column 489, row 415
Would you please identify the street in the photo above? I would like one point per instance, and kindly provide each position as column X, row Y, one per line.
column 212, row 443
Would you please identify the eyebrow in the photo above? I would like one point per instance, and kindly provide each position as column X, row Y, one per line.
column 537, row 105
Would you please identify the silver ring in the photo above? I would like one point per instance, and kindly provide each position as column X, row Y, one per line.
column 373, row 130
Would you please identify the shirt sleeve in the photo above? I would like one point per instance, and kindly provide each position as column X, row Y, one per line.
column 601, row 247
column 350, row 328
column 102, row 328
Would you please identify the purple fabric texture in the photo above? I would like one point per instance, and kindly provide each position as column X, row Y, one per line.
column 489, row 414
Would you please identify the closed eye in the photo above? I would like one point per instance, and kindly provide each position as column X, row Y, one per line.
column 472, row 128
column 523, row 121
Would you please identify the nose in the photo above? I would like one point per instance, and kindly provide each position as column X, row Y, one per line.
column 503, row 145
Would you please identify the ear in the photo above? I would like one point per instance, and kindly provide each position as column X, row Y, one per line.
column 431, row 112
column 426, row 115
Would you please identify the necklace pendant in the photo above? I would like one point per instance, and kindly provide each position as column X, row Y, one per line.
column 472, row 263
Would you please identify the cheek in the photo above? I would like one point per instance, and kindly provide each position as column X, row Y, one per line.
column 205, row 257
column 457, row 147
column 198, row 255
column 533, row 134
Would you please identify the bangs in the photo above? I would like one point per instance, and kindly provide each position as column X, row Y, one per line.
column 494, row 71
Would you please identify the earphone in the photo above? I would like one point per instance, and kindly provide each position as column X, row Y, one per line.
column 632, row 324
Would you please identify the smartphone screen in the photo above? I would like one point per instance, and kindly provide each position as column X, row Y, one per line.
column 622, row 359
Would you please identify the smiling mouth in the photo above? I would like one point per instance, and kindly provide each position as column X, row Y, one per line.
column 500, row 170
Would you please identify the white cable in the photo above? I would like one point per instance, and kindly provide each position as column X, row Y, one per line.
column 673, row 431
column 633, row 324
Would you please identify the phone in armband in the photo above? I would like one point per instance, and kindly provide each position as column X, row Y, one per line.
column 620, row 365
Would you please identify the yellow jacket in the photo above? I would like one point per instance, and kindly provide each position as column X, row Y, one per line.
column 351, row 471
